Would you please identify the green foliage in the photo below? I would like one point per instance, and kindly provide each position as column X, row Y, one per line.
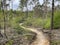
column 47, row 24
column 1, row 20
column 38, row 22
column 20, row 17
column 55, row 42
column 13, row 23
column 22, row 31
column 57, row 19
column 19, row 30
column 10, row 42
column 35, row 22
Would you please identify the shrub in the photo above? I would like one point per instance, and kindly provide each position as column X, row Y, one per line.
column 34, row 22
column 57, row 19
column 47, row 24
column 10, row 42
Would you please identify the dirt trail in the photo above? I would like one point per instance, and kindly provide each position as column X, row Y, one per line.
column 41, row 37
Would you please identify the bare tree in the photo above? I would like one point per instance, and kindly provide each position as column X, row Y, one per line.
column 4, row 8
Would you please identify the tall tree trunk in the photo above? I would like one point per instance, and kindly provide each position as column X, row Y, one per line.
column 52, row 22
column 52, row 16
column 4, row 13
column 26, row 11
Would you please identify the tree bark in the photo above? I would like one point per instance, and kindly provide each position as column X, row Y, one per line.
column 52, row 21
column 52, row 16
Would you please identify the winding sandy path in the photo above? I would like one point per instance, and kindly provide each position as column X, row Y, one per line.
column 41, row 37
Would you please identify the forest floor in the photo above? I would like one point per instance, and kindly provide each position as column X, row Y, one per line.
column 41, row 38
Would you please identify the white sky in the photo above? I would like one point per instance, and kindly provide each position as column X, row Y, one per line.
column 16, row 4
